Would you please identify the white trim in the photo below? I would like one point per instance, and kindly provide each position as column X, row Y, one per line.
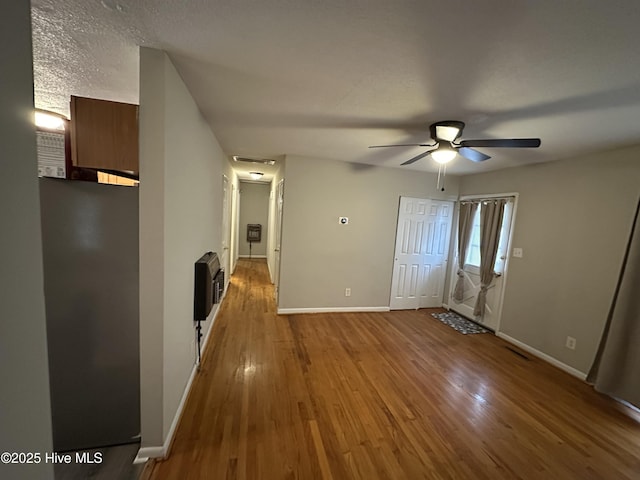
column 627, row 404
column 206, row 337
column 556, row 363
column 270, row 274
column 145, row 453
column 252, row 256
column 507, row 262
column 291, row 311
column 480, row 196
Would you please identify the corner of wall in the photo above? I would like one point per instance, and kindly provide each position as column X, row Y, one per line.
column 181, row 168
column 152, row 269
column 25, row 414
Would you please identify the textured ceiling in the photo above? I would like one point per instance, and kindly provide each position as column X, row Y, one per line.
column 328, row 78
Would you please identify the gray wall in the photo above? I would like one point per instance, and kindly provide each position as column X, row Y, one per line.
column 320, row 257
column 254, row 208
column 573, row 222
column 25, row 411
column 181, row 168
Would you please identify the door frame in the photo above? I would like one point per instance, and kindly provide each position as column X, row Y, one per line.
column 235, row 225
column 277, row 248
column 453, row 266
column 421, row 279
column 226, row 226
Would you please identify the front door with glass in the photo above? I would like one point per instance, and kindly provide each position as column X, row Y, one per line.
column 471, row 272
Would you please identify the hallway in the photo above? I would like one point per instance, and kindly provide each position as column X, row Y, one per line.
column 384, row 395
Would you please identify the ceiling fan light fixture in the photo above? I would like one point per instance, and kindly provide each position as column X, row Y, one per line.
column 446, row 135
column 448, row 132
column 443, row 155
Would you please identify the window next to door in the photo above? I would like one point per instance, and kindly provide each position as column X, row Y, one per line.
column 472, row 262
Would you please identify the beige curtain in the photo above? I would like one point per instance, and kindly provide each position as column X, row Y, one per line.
column 616, row 368
column 465, row 224
column 491, row 214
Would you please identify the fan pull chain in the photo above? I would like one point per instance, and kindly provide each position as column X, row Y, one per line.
column 442, row 172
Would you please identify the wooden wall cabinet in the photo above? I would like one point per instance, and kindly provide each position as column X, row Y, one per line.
column 104, row 135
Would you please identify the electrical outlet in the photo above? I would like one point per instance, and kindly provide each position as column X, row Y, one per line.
column 571, row 343
column 517, row 252
column 347, row 292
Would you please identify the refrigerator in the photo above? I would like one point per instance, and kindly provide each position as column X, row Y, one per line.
column 91, row 283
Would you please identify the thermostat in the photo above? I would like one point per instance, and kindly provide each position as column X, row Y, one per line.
column 343, row 220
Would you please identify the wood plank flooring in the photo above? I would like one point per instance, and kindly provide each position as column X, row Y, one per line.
column 115, row 462
column 392, row 395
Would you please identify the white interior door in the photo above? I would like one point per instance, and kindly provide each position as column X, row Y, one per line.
column 278, row 237
column 226, row 227
column 234, row 222
column 422, row 246
column 493, row 305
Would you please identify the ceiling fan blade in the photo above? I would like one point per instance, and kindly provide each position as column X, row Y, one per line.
column 473, row 155
column 503, row 142
column 404, row 145
column 416, row 158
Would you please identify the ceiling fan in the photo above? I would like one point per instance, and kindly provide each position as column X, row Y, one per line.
column 446, row 135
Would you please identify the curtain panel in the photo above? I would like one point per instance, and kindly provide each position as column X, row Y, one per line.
column 465, row 224
column 616, row 368
column 491, row 215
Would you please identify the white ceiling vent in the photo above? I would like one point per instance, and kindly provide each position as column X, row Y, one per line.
column 260, row 161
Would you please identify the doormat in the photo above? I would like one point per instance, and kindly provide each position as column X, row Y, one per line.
column 459, row 323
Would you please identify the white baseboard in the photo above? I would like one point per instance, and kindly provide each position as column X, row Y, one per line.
column 543, row 356
column 270, row 273
column 213, row 319
column 252, row 256
column 291, row 311
column 145, row 453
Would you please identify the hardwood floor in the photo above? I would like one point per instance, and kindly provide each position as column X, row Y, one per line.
column 110, row 462
column 385, row 395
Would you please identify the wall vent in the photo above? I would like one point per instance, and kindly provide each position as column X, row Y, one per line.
column 260, row 161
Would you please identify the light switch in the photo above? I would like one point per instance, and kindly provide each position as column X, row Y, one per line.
column 517, row 252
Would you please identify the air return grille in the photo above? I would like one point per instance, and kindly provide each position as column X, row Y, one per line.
column 260, row 161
